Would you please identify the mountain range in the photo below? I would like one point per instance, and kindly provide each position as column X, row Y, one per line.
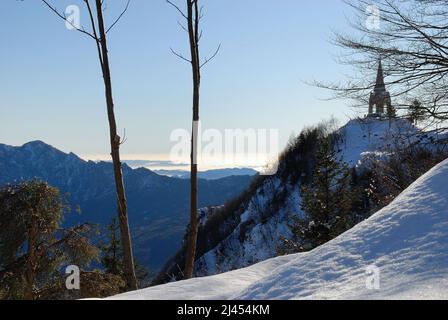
column 212, row 174
column 158, row 205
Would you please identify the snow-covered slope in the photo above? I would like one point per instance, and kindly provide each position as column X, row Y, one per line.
column 262, row 225
column 407, row 241
column 217, row 287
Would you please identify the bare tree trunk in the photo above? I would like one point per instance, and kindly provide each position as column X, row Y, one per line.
column 193, row 16
column 193, row 22
column 115, row 141
column 128, row 261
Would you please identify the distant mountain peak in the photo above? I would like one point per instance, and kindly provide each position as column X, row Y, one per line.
column 42, row 147
column 37, row 143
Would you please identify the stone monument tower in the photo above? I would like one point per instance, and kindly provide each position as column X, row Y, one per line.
column 379, row 97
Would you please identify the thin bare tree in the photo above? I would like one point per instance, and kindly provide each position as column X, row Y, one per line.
column 411, row 38
column 99, row 34
column 193, row 17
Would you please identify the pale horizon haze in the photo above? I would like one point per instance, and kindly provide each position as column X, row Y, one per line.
column 52, row 90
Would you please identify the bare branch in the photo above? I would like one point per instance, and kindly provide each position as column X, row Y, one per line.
column 95, row 33
column 179, row 55
column 207, row 60
column 119, row 17
column 64, row 17
column 182, row 26
column 124, row 139
column 178, row 9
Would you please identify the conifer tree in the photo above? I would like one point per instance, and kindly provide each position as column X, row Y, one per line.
column 33, row 245
column 112, row 255
column 391, row 112
column 416, row 112
column 327, row 199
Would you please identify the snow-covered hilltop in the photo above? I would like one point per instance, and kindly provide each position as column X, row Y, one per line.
column 405, row 245
column 361, row 138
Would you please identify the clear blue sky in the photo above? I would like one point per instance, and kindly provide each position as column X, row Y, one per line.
column 51, row 88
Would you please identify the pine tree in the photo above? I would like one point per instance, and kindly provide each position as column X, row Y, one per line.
column 112, row 252
column 112, row 255
column 33, row 245
column 416, row 112
column 327, row 200
column 391, row 112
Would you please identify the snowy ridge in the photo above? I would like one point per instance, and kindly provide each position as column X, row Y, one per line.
column 407, row 241
column 258, row 235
